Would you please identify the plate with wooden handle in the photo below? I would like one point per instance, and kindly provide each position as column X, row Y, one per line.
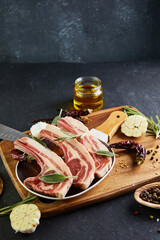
column 109, row 128
column 103, row 132
column 25, row 169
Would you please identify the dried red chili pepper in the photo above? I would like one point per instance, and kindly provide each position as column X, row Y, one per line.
column 47, row 120
column 75, row 113
column 132, row 147
column 18, row 155
column 21, row 156
column 70, row 113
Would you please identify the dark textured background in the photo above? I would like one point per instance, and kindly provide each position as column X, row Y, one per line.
column 79, row 31
column 31, row 91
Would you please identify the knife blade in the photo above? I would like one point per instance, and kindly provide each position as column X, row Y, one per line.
column 10, row 134
column 109, row 127
column 103, row 132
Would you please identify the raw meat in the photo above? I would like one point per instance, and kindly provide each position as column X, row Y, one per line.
column 91, row 143
column 76, row 156
column 50, row 163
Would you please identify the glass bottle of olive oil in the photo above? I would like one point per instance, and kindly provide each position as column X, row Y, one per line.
column 88, row 93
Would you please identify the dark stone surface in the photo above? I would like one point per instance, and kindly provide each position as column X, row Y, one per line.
column 79, row 31
column 31, row 91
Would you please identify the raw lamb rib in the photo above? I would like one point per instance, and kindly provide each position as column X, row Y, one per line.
column 76, row 156
column 50, row 163
column 91, row 143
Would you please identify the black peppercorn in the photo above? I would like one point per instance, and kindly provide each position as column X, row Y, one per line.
column 151, row 195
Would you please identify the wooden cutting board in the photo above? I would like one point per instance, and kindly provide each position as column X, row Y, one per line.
column 124, row 177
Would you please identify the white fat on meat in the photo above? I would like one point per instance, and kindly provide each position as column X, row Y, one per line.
column 49, row 163
column 91, row 143
column 76, row 156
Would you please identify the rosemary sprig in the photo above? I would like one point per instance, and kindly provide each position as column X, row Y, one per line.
column 8, row 209
column 153, row 128
column 54, row 178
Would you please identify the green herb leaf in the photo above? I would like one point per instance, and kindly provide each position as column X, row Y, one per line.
column 69, row 133
column 106, row 153
column 40, row 141
column 61, row 139
column 54, row 178
column 8, row 209
column 54, row 122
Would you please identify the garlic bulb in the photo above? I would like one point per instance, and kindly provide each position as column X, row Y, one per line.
column 25, row 218
column 134, row 126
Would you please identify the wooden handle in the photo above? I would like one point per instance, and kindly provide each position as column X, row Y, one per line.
column 113, row 122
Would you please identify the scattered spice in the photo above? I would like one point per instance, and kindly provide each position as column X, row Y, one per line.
column 153, row 154
column 132, row 147
column 148, row 152
column 154, row 161
column 151, row 217
column 136, row 212
column 157, row 146
column 123, row 165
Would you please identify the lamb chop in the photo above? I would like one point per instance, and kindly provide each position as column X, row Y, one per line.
column 49, row 163
column 91, row 143
column 76, row 156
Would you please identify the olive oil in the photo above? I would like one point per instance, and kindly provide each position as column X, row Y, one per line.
column 88, row 93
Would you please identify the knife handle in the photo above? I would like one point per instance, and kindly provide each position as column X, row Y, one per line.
column 113, row 122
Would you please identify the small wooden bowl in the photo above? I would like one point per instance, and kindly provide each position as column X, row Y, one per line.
column 143, row 188
column 1, row 185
